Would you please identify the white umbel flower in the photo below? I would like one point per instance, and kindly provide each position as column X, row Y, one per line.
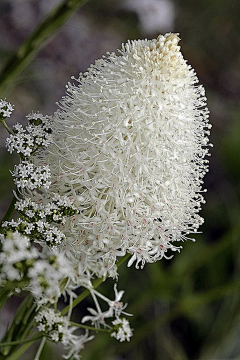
column 6, row 109
column 121, row 330
column 129, row 148
column 27, row 175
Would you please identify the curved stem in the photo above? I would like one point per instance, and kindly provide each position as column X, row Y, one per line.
column 30, row 47
column 88, row 327
column 6, row 126
column 18, row 342
column 39, row 351
column 8, row 288
column 9, row 211
column 16, row 354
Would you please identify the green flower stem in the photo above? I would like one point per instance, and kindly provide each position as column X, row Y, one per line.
column 27, row 51
column 8, row 288
column 96, row 283
column 10, row 210
column 88, row 327
column 4, row 294
column 7, row 338
column 23, row 308
column 16, row 354
column 16, row 327
column 23, row 341
column 30, row 326
column 6, row 126
column 28, row 313
column 39, row 351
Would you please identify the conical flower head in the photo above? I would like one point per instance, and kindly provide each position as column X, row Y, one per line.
column 130, row 143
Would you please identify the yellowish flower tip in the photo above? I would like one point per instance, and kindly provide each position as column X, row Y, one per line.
column 165, row 46
column 173, row 37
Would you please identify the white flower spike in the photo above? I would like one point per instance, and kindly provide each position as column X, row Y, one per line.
column 129, row 149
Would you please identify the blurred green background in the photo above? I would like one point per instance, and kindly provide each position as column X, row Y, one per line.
column 187, row 307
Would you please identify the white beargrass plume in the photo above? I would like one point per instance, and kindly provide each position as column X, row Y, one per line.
column 129, row 147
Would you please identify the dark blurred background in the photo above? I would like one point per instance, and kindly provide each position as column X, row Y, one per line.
column 187, row 307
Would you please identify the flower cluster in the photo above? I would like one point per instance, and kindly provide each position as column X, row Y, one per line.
column 16, row 257
column 46, row 275
column 30, row 176
column 26, row 142
column 37, row 134
column 129, row 147
column 121, row 330
column 39, row 271
column 58, row 329
column 6, row 109
column 38, row 219
column 54, row 325
column 56, row 210
column 38, row 231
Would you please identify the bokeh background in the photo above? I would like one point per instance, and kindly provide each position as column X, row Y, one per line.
column 187, row 307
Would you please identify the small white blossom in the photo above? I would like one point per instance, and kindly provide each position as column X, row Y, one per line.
column 129, row 148
column 48, row 233
column 25, row 141
column 16, row 256
column 76, row 346
column 39, row 231
column 55, row 210
column 122, row 330
column 30, row 176
column 96, row 318
column 58, row 329
column 19, row 141
column 55, row 326
column 27, row 204
column 6, row 109
column 46, row 273
column 40, row 128
column 116, row 308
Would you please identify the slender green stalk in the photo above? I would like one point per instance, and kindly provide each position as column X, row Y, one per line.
column 30, row 326
column 16, row 327
column 9, row 211
column 39, row 351
column 16, row 354
column 23, row 308
column 4, row 293
column 6, row 126
column 27, row 315
column 30, row 47
column 18, row 342
column 87, row 327
column 9, row 287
